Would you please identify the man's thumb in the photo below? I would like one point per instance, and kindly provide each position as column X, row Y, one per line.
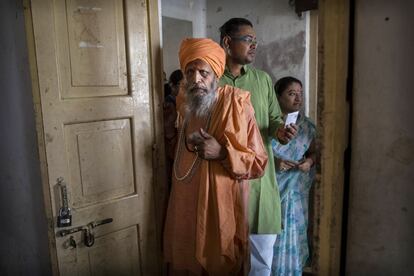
column 204, row 134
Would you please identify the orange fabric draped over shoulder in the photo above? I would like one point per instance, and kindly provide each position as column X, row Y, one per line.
column 206, row 224
column 220, row 212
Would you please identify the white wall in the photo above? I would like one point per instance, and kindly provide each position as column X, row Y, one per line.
column 188, row 11
column 381, row 213
column 280, row 32
column 173, row 32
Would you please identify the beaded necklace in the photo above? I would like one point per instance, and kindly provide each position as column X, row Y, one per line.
column 178, row 151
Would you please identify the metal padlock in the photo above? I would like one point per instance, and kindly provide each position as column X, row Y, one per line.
column 64, row 218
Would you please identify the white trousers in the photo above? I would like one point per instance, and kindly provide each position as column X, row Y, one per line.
column 261, row 256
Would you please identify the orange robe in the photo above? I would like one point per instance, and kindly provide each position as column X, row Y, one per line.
column 206, row 225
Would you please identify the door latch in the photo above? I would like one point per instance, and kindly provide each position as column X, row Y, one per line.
column 64, row 217
column 87, row 231
column 88, row 236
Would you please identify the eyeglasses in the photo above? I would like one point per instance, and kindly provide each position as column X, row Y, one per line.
column 246, row 38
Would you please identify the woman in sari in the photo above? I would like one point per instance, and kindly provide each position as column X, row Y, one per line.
column 295, row 173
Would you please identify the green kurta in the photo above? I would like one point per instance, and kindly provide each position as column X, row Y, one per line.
column 264, row 199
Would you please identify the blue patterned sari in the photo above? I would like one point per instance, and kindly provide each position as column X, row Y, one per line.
column 291, row 248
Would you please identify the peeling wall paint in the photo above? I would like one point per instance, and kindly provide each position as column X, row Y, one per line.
column 280, row 32
column 285, row 57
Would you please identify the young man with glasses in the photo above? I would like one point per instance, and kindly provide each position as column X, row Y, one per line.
column 238, row 40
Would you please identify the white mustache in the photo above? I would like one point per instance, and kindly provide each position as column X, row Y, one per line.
column 197, row 86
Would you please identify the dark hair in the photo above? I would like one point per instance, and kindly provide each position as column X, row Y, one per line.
column 283, row 83
column 175, row 77
column 231, row 27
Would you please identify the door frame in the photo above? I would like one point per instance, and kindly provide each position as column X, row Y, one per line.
column 333, row 124
column 40, row 134
column 155, row 84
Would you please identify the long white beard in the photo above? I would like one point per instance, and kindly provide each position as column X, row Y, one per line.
column 200, row 105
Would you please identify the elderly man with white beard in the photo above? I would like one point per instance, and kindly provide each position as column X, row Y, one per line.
column 218, row 148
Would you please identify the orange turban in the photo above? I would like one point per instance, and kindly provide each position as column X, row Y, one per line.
column 204, row 49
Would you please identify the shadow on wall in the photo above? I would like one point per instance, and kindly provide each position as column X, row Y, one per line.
column 23, row 235
column 283, row 55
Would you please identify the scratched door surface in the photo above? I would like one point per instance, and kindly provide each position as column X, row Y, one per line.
column 93, row 73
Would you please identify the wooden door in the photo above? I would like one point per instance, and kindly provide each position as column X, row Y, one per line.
column 93, row 75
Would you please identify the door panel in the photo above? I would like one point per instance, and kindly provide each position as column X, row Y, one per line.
column 113, row 254
column 116, row 254
column 91, row 48
column 92, row 59
column 100, row 160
